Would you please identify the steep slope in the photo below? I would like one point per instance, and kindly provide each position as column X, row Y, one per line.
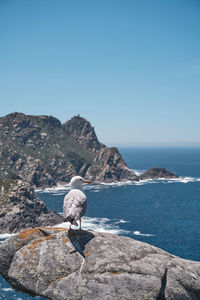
column 44, row 152
column 20, row 208
column 83, row 133
column 108, row 164
column 37, row 148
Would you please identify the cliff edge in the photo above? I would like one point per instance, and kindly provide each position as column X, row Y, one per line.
column 20, row 208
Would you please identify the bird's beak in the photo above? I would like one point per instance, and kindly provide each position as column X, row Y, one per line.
column 87, row 181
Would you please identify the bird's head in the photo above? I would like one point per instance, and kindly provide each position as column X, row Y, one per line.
column 77, row 181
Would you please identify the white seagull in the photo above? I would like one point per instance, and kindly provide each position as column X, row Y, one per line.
column 75, row 202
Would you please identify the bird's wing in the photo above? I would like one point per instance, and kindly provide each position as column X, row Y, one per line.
column 75, row 204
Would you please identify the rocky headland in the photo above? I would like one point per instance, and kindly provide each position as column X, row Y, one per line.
column 44, row 152
column 59, row 264
column 20, row 208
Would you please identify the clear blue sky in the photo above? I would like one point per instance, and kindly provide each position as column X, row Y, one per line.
column 131, row 67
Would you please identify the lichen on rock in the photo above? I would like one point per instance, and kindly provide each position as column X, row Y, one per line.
column 77, row 264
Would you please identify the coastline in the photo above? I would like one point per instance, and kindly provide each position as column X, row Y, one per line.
column 66, row 187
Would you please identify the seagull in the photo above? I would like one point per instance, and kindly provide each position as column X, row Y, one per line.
column 75, row 202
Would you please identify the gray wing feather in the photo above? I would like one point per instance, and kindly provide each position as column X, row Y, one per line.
column 75, row 204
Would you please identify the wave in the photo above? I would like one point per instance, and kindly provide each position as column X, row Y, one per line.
column 56, row 189
column 142, row 234
column 138, row 172
column 7, row 289
column 122, row 221
column 105, row 225
column 100, row 225
column 184, row 179
column 168, row 180
column 97, row 187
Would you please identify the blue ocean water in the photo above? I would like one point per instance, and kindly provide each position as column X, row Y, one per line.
column 164, row 213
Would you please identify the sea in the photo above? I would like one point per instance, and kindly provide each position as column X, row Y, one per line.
column 164, row 213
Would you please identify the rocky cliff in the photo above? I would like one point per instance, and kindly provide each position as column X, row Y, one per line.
column 83, row 133
column 44, row 152
column 20, row 208
column 60, row 264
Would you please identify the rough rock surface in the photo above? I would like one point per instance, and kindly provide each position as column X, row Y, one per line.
column 60, row 264
column 109, row 166
column 156, row 173
column 81, row 131
column 20, row 208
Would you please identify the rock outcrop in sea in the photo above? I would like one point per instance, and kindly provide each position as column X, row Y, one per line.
column 157, row 173
column 20, row 208
column 61, row 264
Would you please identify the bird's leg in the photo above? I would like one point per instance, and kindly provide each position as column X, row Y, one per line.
column 80, row 224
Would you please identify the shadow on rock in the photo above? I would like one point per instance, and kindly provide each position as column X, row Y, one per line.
column 79, row 239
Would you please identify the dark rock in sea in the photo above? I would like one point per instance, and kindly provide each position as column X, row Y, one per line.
column 60, row 264
column 20, row 208
column 156, row 173
column 44, row 152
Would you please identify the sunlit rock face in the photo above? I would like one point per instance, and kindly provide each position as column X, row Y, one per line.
column 44, row 152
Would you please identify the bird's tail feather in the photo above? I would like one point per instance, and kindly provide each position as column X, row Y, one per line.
column 71, row 219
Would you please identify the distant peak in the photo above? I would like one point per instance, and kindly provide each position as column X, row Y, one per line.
column 78, row 118
column 82, row 132
column 15, row 115
column 21, row 117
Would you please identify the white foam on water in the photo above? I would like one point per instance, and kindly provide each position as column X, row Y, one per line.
column 55, row 190
column 60, row 194
column 94, row 187
column 7, row 289
column 98, row 225
column 122, row 221
column 120, row 183
column 182, row 179
column 168, row 180
column 138, row 172
column 142, row 234
column 62, row 189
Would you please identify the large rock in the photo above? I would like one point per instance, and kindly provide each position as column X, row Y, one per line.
column 157, row 173
column 60, row 264
column 20, row 208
